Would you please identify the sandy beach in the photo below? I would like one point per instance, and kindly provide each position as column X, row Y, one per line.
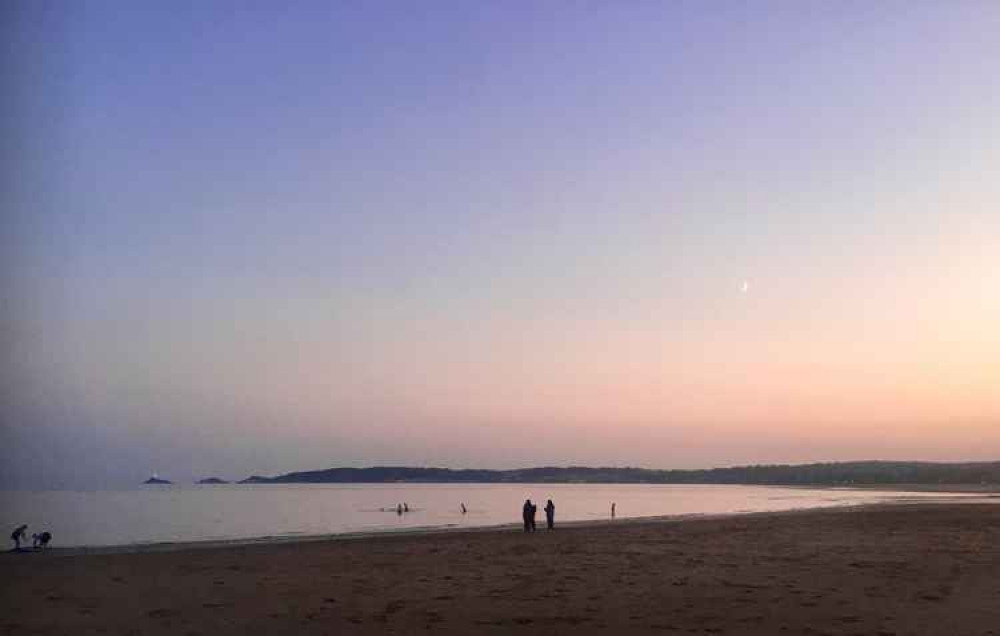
column 898, row 569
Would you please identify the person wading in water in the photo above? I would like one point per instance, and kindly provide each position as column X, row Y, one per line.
column 17, row 535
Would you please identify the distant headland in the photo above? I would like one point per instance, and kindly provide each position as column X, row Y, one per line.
column 863, row 473
column 257, row 479
column 157, row 480
column 212, row 480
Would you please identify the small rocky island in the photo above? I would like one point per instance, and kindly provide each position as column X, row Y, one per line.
column 212, row 480
column 156, row 480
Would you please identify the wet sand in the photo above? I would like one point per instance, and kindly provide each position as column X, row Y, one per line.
column 896, row 569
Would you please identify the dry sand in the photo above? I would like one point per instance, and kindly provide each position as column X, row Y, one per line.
column 904, row 569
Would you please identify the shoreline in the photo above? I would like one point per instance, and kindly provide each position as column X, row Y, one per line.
column 955, row 489
column 411, row 532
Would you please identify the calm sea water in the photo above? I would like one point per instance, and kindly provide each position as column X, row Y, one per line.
column 154, row 514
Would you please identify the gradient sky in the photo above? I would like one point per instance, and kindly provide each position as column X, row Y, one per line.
column 242, row 238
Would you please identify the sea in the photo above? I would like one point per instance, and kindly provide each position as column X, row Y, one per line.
column 192, row 513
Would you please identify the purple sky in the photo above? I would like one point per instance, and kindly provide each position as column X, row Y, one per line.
column 252, row 240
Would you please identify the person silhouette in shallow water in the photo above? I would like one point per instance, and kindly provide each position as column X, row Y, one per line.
column 463, row 509
column 406, row 507
column 17, row 535
column 550, row 514
column 399, row 509
column 534, row 510
column 41, row 540
column 612, row 510
column 527, row 512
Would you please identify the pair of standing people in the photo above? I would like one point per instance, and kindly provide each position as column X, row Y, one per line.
column 528, row 515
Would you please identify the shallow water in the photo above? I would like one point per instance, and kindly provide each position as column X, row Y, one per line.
column 153, row 514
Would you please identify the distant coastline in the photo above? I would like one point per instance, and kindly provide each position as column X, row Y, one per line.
column 929, row 475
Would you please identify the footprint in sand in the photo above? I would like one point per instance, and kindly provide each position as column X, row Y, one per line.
column 161, row 612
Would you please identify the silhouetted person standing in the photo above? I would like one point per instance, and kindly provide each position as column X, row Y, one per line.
column 550, row 514
column 527, row 512
column 534, row 509
column 612, row 510
column 463, row 508
column 17, row 535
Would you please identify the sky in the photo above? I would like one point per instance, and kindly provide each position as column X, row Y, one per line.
column 244, row 238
